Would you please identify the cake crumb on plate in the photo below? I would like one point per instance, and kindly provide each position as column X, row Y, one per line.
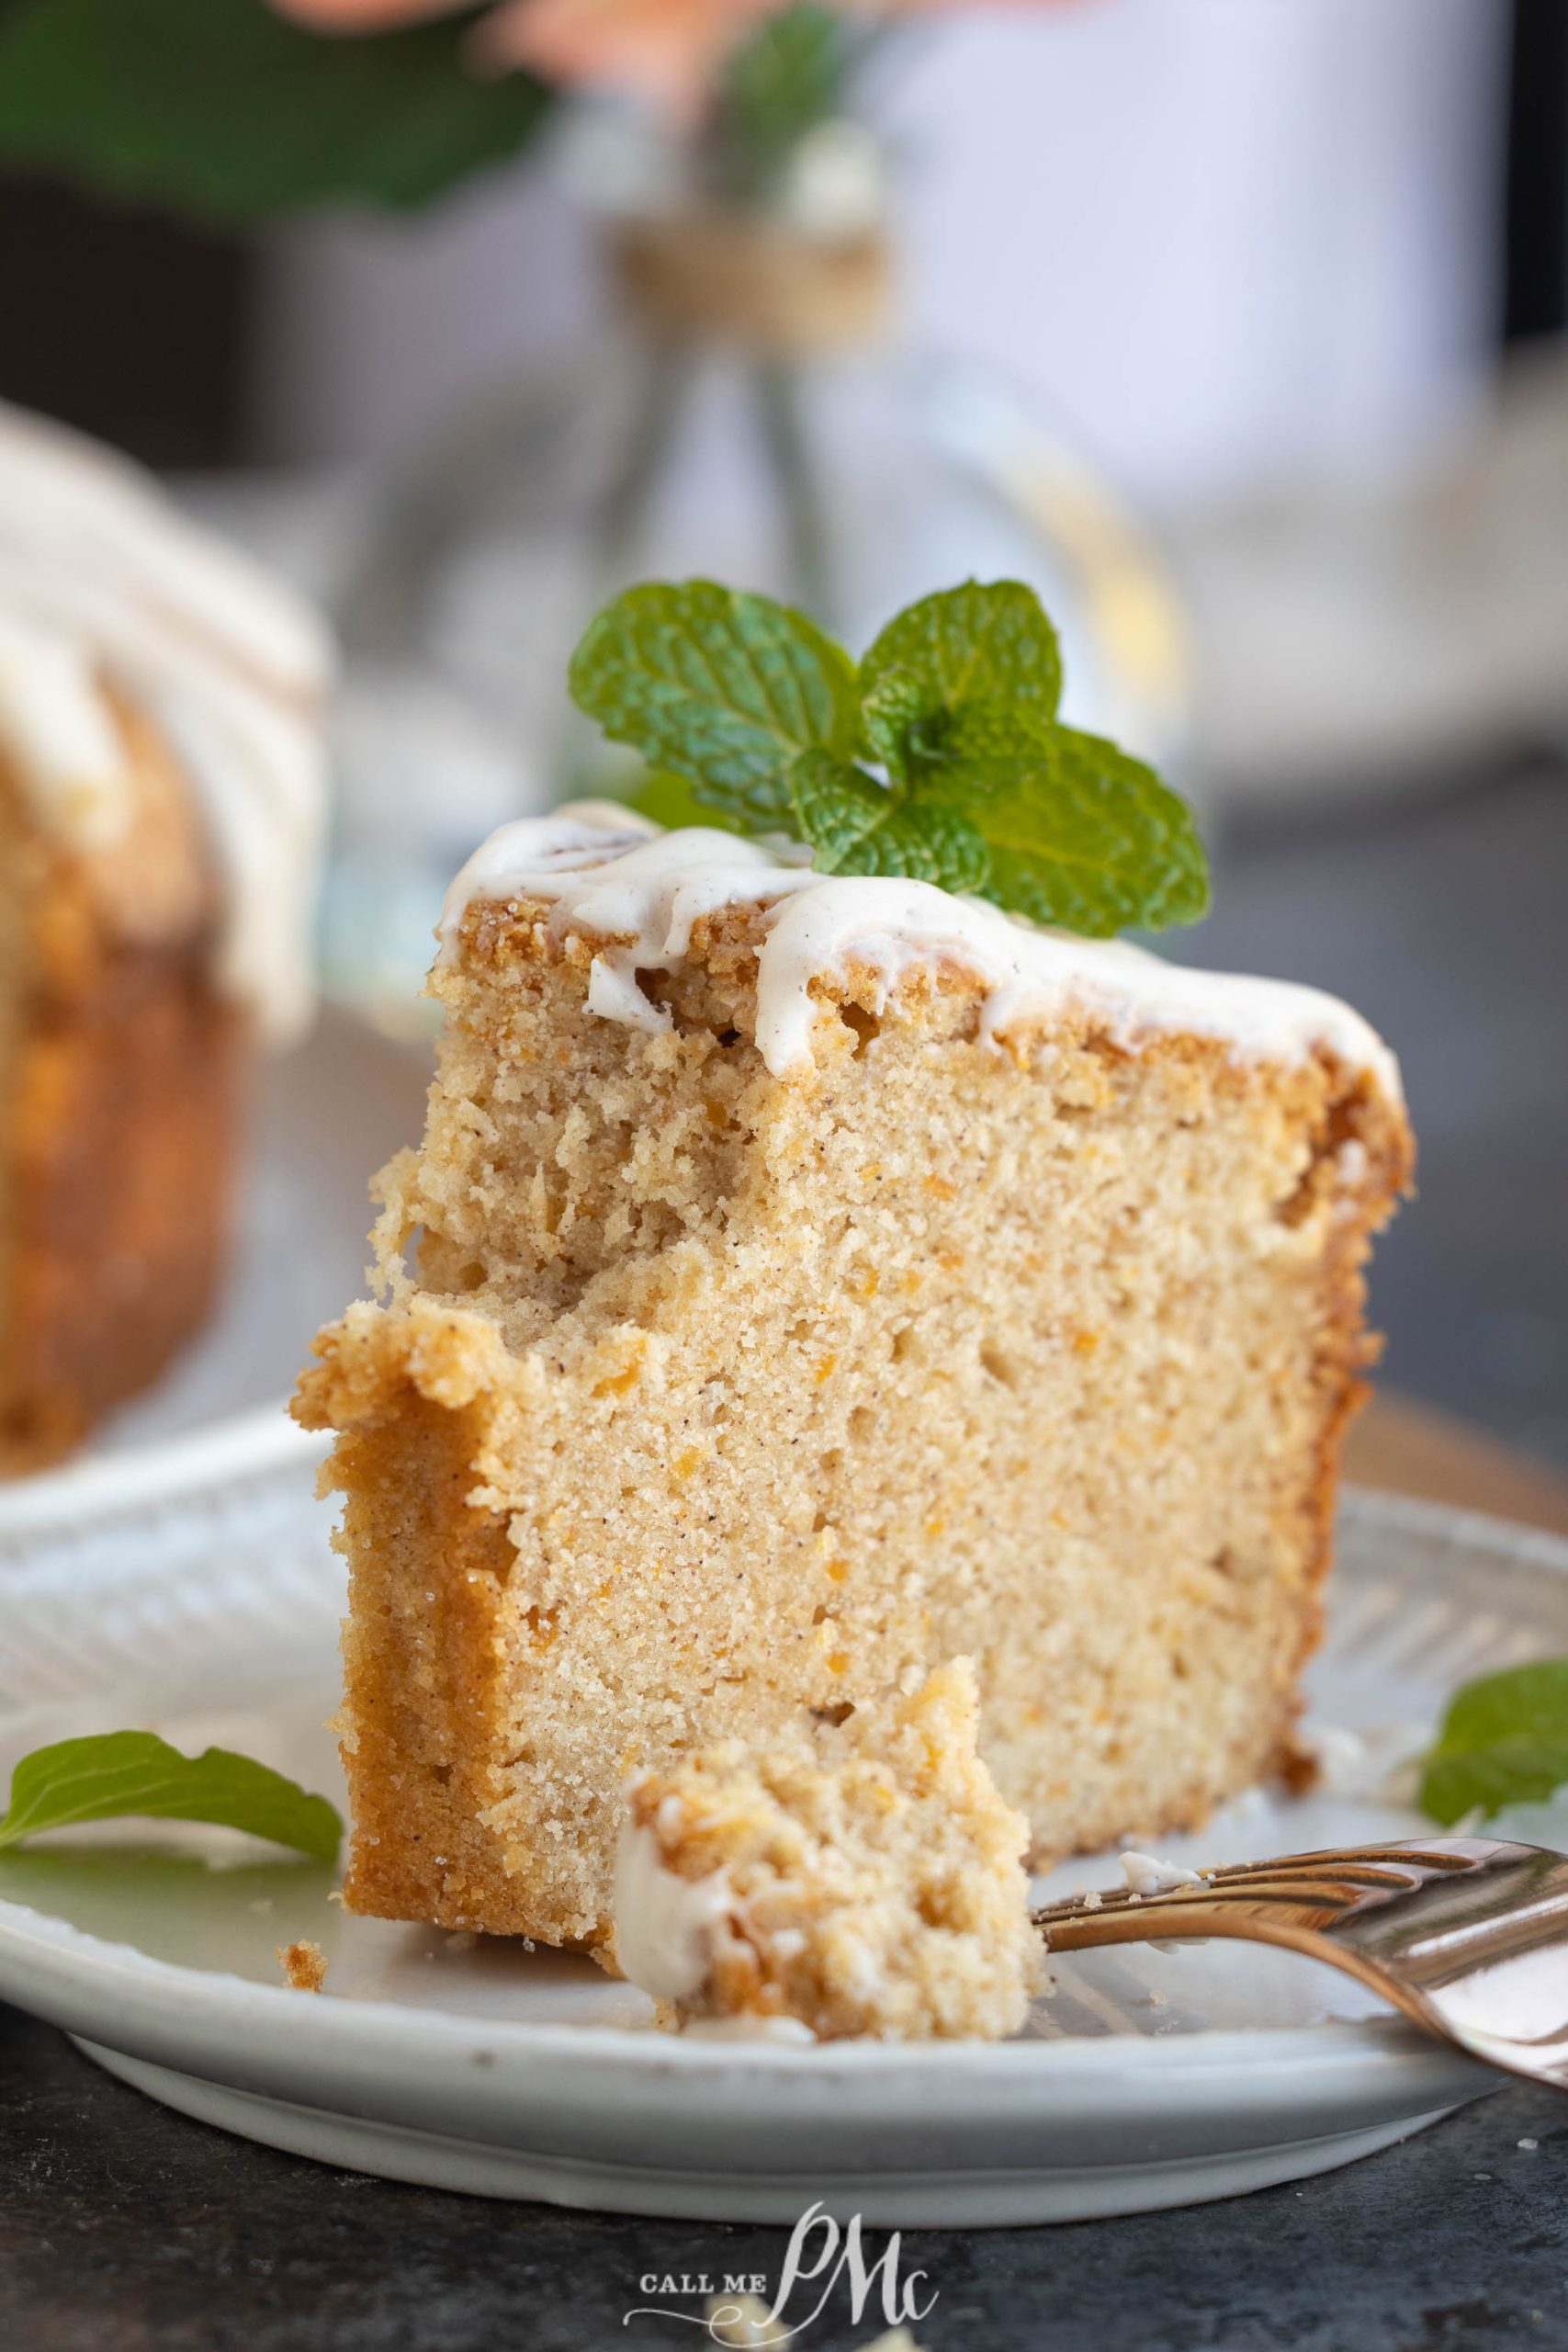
column 304, row 1965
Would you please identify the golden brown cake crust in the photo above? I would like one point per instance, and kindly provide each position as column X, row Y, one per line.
column 422, row 1668
column 717, row 1396
column 122, row 1075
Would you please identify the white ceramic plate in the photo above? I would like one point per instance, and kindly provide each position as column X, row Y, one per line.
column 1147, row 2079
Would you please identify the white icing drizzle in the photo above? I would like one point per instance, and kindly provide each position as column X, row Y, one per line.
column 102, row 581
column 57, row 728
column 612, row 877
column 747, row 2028
column 1146, row 1874
column 665, row 1925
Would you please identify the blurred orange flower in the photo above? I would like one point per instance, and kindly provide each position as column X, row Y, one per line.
column 363, row 16
column 669, row 50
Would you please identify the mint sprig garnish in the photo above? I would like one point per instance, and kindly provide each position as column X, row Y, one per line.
column 983, row 665
column 1086, row 836
column 113, row 1774
column 1504, row 1741
column 940, row 758
column 856, row 826
column 724, row 688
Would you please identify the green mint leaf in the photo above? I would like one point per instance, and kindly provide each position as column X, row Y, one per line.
column 978, row 670
column 120, row 1772
column 1083, row 835
column 919, row 742
column 857, row 825
column 980, row 744
column 225, row 110
column 671, row 801
column 837, row 806
column 1504, row 1741
column 894, row 713
column 725, row 688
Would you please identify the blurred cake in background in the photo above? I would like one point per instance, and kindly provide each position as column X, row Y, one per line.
column 162, row 794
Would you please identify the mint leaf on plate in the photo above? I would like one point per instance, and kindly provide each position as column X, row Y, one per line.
column 725, row 688
column 1504, row 1741
column 115, row 1773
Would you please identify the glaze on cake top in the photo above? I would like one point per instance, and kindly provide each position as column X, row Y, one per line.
column 612, row 877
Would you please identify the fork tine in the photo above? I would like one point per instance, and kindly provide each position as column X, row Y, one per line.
column 1250, row 1880
column 1351, row 1865
column 1308, row 1873
column 1333, row 1892
column 1336, row 1875
column 1467, row 1936
column 1342, row 1859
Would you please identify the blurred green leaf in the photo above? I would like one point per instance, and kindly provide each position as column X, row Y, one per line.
column 777, row 85
column 226, row 111
column 1504, row 1741
column 112, row 1775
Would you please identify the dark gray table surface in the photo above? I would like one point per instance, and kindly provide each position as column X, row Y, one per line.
column 125, row 2227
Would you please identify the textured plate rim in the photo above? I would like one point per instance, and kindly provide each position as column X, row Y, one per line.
column 1454, row 1528
column 99, row 1487
column 232, row 2029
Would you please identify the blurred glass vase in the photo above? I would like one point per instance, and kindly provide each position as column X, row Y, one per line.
column 750, row 412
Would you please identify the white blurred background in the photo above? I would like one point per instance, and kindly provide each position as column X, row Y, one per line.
column 1227, row 242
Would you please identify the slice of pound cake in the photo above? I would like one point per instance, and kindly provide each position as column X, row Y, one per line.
column 806, row 1280
column 859, row 1877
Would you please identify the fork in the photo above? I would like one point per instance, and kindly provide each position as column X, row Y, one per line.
column 1469, row 1936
